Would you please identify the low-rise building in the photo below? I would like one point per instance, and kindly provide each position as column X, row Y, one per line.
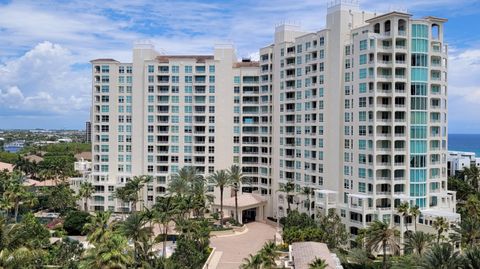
column 458, row 160
column 301, row 254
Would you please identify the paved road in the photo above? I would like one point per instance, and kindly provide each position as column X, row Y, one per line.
column 236, row 247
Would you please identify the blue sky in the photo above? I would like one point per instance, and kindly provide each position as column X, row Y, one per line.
column 45, row 46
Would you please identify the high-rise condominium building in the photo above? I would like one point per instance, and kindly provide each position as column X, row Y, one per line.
column 355, row 113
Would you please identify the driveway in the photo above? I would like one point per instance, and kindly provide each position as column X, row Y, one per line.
column 232, row 249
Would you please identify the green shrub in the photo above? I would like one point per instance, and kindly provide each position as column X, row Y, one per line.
column 74, row 222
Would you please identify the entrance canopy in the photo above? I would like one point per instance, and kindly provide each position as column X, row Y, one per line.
column 250, row 207
column 245, row 200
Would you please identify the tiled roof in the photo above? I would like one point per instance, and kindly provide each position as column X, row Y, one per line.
column 6, row 166
column 305, row 252
column 86, row 155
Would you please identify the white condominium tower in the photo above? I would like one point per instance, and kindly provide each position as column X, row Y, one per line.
column 355, row 113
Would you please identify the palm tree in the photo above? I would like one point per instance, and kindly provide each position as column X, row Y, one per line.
column 308, row 192
column 252, row 262
column 201, row 197
column 404, row 210
column 418, row 242
column 165, row 210
column 441, row 225
column 472, row 258
column 472, row 207
column 111, row 253
column 381, row 235
column 25, row 166
column 98, row 227
column 181, row 182
column 134, row 228
column 318, row 264
column 472, row 176
column 469, row 231
column 415, row 212
column 359, row 256
column 129, row 193
column 85, row 192
column 15, row 193
column 287, row 188
column 236, row 177
column 221, row 180
column 268, row 253
column 442, row 256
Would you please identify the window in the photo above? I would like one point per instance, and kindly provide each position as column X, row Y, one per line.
column 363, row 44
column 211, row 68
column 236, row 79
column 363, row 59
column 362, row 87
column 188, row 69
column 175, row 69
column 362, row 73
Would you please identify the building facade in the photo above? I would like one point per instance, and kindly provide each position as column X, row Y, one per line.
column 459, row 160
column 355, row 115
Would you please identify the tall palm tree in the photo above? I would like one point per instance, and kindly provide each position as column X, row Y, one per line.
column 165, row 210
column 181, row 182
column 134, row 228
column 201, row 197
column 418, row 242
column 98, row 227
column 415, row 212
column 404, row 210
column 221, row 180
column 381, row 236
column 252, row 262
column 86, row 191
column 287, row 188
column 441, row 225
column 442, row 256
column 236, row 177
column 308, row 192
column 318, row 264
column 130, row 192
column 472, row 257
column 15, row 193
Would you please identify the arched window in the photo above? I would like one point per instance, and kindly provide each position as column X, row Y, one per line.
column 435, row 31
column 402, row 26
column 387, row 27
column 376, row 28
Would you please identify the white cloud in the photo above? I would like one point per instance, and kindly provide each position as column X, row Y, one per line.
column 42, row 80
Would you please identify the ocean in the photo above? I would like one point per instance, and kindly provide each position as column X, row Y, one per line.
column 464, row 142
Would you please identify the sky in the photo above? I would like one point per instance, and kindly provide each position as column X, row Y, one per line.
column 46, row 46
